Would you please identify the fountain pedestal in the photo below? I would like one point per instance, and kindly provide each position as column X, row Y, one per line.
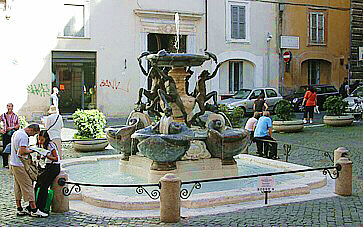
column 179, row 75
column 185, row 170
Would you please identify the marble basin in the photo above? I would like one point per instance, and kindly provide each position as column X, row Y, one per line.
column 163, row 147
column 177, row 59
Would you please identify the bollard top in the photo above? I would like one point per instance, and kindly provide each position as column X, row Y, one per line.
column 170, row 177
column 344, row 160
column 342, row 149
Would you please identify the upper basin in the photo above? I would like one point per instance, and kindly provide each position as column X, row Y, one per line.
column 177, row 59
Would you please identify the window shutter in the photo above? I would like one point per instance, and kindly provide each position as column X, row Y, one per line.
column 320, row 28
column 242, row 22
column 234, row 25
column 313, row 28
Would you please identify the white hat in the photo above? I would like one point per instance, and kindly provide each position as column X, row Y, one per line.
column 53, row 109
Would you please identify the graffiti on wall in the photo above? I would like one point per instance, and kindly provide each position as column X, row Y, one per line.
column 116, row 85
column 39, row 89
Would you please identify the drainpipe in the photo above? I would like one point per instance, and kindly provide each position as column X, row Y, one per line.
column 350, row 43
column 206, row 25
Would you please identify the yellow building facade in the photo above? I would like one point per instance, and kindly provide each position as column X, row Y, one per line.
column 320, row 54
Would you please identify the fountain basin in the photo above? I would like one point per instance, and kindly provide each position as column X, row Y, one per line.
column 211, row 194
column 163, row 147
column 177, row 59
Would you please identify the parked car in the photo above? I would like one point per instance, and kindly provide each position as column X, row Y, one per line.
column 355, row 98
column 323, row 91
column 245, row 98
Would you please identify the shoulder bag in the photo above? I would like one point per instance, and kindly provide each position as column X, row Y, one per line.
column 30, row 167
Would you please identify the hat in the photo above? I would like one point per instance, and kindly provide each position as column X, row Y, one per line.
column 53, row 109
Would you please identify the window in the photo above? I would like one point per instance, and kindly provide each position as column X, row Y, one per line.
column 256, row 93
column 76, row 16
column 237, row 26
column 271, row 93
column 330, row 89
column 316, row 32
column 235, row 76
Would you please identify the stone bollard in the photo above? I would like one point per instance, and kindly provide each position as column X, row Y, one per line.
column 339, row 152
column 343, row 184
column 170, row 198
column 60, row 202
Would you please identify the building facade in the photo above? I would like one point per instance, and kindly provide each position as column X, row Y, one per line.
column 88, row 49
column 317, row 36
column 356, row 67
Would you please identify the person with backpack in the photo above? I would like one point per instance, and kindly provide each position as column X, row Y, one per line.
column 54, row 124
column 51, row 171
column 11, row 124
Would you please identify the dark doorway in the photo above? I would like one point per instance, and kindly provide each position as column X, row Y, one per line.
column 74, row 73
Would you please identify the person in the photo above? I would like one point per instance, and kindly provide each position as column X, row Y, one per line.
column 263, row 137
column 309, row 102
column 54, row 101
column 343, row 88
column 11, row 124
column 250, row 127
column 54, row 124
column 52, row 169
column 251, row 124
column 23, row 185
column 260, row 105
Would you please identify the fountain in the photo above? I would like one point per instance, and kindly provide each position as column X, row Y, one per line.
column 199, row 145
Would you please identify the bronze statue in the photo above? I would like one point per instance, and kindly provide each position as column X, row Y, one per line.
column 152, row 94
column 169, row 93
column 201, row 96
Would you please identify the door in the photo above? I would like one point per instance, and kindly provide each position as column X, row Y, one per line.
column 74, row 75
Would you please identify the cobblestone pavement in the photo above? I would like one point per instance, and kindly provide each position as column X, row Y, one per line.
column 336, row 211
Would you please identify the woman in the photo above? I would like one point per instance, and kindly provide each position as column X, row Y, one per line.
column 260, row 105
column 52, row 169
column 309, row 102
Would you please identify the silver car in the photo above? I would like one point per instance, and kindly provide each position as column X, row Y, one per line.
column 356, row 95
column 246, row 97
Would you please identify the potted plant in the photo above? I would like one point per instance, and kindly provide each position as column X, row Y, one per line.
column 283, row 120
column 335, row 107
column 90, row 135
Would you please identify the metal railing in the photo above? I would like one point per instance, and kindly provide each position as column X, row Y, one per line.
column 184, row 193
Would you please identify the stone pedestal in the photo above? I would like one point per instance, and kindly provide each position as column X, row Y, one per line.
column 60, row 202
column 340, row 152
column 179, row 74
column 185, row 170
column 343, row 184
column 170, row 198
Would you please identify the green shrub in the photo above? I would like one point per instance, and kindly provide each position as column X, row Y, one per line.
column 89, row 123
column 284, row 111
column 23, row 122
column 335, row 105
column 235, row 116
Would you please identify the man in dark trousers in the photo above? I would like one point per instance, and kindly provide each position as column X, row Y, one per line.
column 11, row 124
column 263, row 137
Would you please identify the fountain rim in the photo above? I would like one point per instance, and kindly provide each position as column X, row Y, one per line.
column 177, row 59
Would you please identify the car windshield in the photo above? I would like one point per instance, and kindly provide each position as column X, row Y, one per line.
column 242, row 94
column 301, row 90
column 358, row 92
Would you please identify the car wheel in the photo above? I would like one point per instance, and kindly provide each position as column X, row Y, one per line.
column 243, row 111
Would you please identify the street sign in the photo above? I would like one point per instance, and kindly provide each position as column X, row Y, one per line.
column 289, row 42
column 287, row 56
column 266, row 183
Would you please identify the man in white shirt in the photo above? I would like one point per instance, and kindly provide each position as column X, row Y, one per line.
column 54, row 124
column 23, row 185
column 54, row 97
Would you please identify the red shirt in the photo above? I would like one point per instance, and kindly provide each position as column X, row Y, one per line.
column 310, row 98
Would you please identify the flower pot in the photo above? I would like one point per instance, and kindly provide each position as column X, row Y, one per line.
column 288, row 126
column 344, row 120
column 90, row 145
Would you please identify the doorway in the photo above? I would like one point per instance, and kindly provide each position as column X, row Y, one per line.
column 74, row 73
